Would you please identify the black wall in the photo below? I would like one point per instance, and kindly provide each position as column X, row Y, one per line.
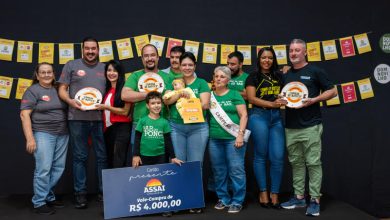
column 356, row 142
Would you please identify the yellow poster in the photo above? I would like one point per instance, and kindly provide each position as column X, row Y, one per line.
column 5, row 86
column 193, row 47
column 335, row 100
column 105, row 51
column 281, row 55
column 329, row 49
column 313, row 51
column 124, row 49
column 46, row 53
column 365, row 88
column 258, row 48
column 192, row 111
column 158, row 42
column 140, row 42
column 66, row 53
column 362, row 43
column 225, row 51
column 246, row 50
column 22, row 86
column 6, row 49
column 209, row 53
column 25, row 50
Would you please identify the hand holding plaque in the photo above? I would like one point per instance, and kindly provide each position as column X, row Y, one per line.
column 295, row 93
column 88, row 98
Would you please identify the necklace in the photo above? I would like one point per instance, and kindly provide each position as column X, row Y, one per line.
column 267, row 76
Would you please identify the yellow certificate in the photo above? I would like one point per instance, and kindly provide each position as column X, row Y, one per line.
column 192, row 111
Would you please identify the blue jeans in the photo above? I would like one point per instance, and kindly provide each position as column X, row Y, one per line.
column 50, row 159
column 227, row 163
column 189, row 140
column 79, row 133
column 269, row 144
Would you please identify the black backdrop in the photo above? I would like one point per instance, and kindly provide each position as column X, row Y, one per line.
column 356, row 142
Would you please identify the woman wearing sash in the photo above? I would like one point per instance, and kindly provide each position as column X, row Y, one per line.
column 226, row 146
column 116, row 118
column 265, row 123
column 189, row 140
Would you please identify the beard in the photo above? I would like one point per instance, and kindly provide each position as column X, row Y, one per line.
column 235, row 72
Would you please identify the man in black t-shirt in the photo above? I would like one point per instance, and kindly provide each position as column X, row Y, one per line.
column 304, row 128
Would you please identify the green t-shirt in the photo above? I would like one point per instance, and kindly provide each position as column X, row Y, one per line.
column 175, row 75
column 152, row 140
column 198, row 86
column 228, row 103
column 238, row 82
column 140, row 109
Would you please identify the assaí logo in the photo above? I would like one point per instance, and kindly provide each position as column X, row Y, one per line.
column 154, row 186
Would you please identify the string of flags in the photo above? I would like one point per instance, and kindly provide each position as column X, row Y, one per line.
column 348, row 90
column 316, row 51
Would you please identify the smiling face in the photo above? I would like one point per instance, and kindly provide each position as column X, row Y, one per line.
column 266, row 61
column 174, row 59
column 90, row 52
column 112, row 74
column 154, row 106
column 187, row 67
column 45, row 75
column 150, row 58
column 297, row 53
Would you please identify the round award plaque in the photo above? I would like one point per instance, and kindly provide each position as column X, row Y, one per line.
column 88, row 97
column 150, row 82
column 295, row 92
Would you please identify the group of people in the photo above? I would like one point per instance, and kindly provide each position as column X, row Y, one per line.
column 153, row 127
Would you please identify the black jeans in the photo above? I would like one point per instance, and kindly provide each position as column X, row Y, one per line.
column 117, row 138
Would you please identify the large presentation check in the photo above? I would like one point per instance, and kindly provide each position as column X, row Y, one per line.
column 152, row 189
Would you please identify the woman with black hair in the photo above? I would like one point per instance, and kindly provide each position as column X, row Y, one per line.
column 265, row 122
column 116, row 117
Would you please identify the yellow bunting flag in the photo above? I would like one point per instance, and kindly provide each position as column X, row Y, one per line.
column 140, row 42
column 329, row 49
column 210, row 53
column 46, row 53
column 6, row 49
column 22, row 86
column 335, row 100
column 124, row 49
column 127, row 75
column 349, row 92
column 246, row 50
column 365, row 88
column 5, row 86
column 258, row 48
column 281, row 55
column 25, row 51
column 225, row 51
column 362, row 43
column 105, row 51
column 66, row 53
column 347, row 48
column 193, row 47
column 313, row 51
column 172, row 42
column 158, row 42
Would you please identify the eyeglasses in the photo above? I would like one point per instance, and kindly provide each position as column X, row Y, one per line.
column 49, row 73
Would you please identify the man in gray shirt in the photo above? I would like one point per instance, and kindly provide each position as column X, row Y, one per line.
column 76, row 75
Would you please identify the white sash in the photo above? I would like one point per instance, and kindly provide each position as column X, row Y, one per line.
column 223, row 119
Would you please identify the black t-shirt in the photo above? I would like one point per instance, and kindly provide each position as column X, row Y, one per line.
column 316, row 80
column 267, row 87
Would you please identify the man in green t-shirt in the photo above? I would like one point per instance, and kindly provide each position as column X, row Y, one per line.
column 237, row 82
column 174, row 59
column 131, row 91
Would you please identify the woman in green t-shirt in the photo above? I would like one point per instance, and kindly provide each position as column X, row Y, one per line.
column 227, row 152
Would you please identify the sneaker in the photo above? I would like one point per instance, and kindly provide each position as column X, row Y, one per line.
column 235, row 209
column 313, row 209
column 44, row 210
column 220, row 205
column 80, row 201
column 293, row 203
column 55, row 204
column 196, row 211
column 167, row 214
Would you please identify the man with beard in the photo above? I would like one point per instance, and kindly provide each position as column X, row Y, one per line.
column 76, row 75
column 237, row 82
column 304, row 128
column 143, row 81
